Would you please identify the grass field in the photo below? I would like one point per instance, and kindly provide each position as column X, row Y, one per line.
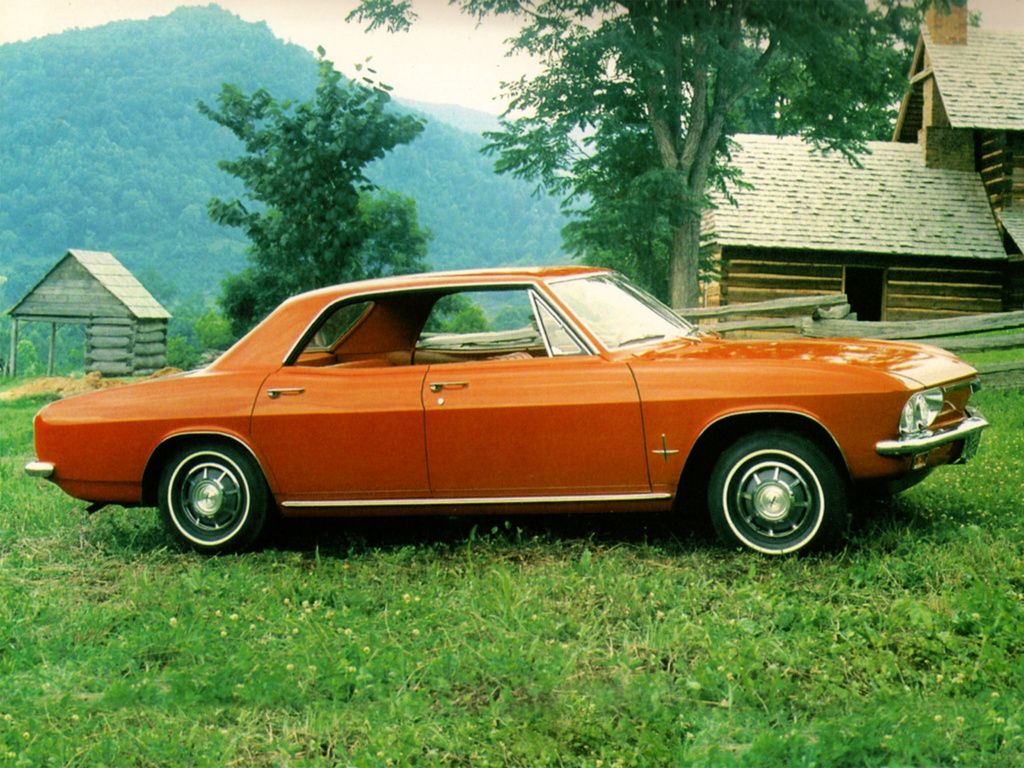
column 528, row 642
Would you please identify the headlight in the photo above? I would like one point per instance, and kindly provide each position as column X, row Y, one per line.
column 920, row 411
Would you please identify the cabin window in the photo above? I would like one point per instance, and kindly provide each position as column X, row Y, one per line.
column 865, row 290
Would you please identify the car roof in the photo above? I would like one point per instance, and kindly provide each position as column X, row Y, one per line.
column 268, row 343
column 422, row 280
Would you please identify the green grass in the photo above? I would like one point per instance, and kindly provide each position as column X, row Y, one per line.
column 994, row 356
column 532, row 642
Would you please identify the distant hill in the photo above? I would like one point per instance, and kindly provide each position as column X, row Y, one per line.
column 101, row 147
column 463, row 118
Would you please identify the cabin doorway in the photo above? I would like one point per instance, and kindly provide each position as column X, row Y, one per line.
column 865, row 290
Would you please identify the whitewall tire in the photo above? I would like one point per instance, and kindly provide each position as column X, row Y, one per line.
column 213, row 497
column 777, row 493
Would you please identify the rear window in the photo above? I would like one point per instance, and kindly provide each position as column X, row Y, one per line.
column 337, row 326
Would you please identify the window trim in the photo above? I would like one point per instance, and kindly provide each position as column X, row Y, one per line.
column 531, row 286
column 538, row 302
column 370, row 304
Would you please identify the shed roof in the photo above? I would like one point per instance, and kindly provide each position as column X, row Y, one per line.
column 112, row 275
column 1013, row 223
column 982, row 82
column 808, row 200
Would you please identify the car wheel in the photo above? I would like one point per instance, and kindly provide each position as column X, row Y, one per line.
column 213, row 498
column 777, row 493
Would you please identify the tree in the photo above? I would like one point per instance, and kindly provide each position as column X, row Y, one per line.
column 312, row 216
column 631, row 114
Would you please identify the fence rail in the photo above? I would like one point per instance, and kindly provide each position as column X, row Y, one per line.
column 762, row 308
column 915, row 329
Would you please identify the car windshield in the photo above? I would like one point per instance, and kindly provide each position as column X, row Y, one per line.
column 618, row 313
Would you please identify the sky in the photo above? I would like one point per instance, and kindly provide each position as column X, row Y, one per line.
column 447, row 58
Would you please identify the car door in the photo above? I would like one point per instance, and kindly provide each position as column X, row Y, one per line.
column 342, row 420
column 556, row 423
column 559, row 426
column 343, row 433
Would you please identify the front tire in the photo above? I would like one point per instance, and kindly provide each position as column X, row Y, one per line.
column 214, row 498
column 777, row 493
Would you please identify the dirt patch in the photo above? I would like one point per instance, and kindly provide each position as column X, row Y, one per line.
column 68, row 385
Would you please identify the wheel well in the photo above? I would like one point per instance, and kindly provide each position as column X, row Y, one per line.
column 155, row 465
column 722, row 433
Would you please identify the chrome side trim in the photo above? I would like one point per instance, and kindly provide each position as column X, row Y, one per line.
column 480, row 500
column 39, row 469
column 972, row 425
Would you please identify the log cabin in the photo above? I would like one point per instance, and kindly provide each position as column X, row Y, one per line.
column 928, row 225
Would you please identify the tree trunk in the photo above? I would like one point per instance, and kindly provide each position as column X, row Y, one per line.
column 684, row 272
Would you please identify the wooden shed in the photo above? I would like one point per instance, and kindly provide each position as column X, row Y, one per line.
column 125, row 327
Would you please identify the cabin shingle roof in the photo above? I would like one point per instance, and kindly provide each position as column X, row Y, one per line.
column 1013, row 223
column 808, row 200
column 112, row 275
column 115, row 277
column 981, row 83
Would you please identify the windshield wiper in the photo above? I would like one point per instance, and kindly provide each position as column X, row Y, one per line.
column 642, row 340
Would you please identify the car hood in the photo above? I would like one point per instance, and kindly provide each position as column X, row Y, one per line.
column 917, row 365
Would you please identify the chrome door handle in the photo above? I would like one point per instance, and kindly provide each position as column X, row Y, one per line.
column 437, row 386
column 275, row 393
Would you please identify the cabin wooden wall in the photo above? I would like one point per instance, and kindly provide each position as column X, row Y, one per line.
column 1000, row 160
column 150, row 350
column 916, row 288
column 123, row 347
column 108, row 345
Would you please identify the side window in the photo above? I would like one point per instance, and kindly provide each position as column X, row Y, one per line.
column 481, row 325
column 330, row 333
column 560, row 341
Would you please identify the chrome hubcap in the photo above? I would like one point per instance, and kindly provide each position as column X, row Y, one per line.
column 772, row 501
column 207, row 498
column 211, row 497
column 773, row 498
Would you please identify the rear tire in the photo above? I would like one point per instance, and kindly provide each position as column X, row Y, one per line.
column 777, row 493
column 213, row 498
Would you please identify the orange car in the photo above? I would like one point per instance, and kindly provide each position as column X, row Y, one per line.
column 513, row 390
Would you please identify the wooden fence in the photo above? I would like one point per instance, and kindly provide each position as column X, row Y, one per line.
column 827, row 316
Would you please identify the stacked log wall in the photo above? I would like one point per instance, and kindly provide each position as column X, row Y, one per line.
column 150, row 350
column 108, row 346
column 124, row 347
column 999, row 158
column 915, row 287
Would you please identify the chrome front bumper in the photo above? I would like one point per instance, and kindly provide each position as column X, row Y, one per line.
column 968, row 430
column 39, row 469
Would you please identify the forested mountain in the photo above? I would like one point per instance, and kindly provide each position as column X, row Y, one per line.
column 102, row 147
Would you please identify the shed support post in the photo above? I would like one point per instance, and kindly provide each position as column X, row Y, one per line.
column 53, row 342
column 14, row 347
